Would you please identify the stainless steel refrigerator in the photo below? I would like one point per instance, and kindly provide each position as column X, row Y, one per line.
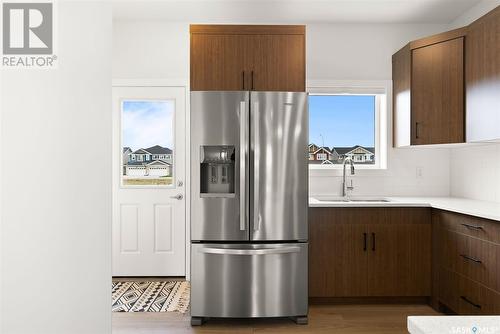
column 249, row 200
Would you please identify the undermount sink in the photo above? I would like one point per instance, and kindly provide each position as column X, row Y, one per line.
column 352, row 199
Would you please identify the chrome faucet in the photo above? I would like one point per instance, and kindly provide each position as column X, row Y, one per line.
column 345, row 187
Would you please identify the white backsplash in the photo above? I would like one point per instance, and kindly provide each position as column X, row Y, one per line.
column 475, row 172
column 399, row 179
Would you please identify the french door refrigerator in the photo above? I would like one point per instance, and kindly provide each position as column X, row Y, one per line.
column 249, row 200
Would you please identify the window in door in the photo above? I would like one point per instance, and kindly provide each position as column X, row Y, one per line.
column 147, row 142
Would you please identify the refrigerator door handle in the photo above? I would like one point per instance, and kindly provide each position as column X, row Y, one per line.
column 256, row 171
column 243, row 168
column 262, row 251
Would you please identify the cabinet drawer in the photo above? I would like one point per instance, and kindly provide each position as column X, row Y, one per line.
column 472, row 226
column 475, row 259
column 479, row 262
column 465, row 296
column 474, row 298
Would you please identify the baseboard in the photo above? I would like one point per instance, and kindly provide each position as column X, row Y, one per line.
column 369, row 300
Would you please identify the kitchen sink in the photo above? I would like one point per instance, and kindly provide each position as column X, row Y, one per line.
column 352, row 199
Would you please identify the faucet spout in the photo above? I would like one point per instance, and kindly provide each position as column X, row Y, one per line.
column 345, row 187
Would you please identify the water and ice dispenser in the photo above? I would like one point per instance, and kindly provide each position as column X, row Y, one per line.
column 217, row 171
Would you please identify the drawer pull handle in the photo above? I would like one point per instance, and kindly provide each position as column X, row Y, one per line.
column 470, row 302
column 257, row 251
column 474, row 227
column 470, row 258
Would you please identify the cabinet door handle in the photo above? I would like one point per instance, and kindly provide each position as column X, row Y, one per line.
column 364, row 242
column 243, row 80
column 251, row 80
column 470, row 302
column 470, row 258
column 373, row 241
column 416, row 130
column 474, row 227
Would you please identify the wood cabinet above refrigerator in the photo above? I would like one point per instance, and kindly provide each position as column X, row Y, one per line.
column 248, row 57
column 428, row 90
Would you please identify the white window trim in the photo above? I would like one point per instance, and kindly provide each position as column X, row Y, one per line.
column 382, row 89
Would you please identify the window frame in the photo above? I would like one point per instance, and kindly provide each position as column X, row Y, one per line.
column 382, row 90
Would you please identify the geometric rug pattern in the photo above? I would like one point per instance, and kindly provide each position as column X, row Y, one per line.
column 164, row 296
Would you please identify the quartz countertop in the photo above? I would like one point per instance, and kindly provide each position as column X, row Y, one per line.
column 453, row 324
column 482, row 209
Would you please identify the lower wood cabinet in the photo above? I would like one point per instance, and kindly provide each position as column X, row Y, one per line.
column 466, row 265
column 369, row 252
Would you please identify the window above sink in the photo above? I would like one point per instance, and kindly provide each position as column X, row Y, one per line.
column 348, row 119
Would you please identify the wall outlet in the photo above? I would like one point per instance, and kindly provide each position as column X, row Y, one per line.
column 419, row 172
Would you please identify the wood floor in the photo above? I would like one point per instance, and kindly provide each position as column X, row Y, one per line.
column 373, row 319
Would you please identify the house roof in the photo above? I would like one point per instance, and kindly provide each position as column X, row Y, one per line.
column 323, row 149
column 345, row 150
column 157, row 149
column 141, row 151
column 125, row 149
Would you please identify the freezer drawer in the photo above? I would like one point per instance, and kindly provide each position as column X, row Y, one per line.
column 249, row 280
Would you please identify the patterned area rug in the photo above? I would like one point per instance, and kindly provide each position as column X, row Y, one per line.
column 164, row 296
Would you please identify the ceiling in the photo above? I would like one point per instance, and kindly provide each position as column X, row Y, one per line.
column 293, row 11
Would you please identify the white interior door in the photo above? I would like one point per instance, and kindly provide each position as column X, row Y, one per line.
column 149, row 210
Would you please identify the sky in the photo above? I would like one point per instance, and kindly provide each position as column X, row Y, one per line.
column 147, row 123
column 342, row 120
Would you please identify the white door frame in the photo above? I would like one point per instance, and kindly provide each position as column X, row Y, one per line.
column 170, row 83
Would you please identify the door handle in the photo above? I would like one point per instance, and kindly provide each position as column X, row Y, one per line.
column 243, row 168
column 243, row 80
column 416, row 130
column 261, row 251
column 177, row 197
column 256, row 168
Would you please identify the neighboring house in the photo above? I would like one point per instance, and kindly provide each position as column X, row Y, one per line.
column 358, row 154
column 321, row 154
column 152, row 153
column 126, row 154
column 151, row 161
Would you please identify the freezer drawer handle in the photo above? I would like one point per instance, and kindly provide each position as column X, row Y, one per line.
column 262, row 251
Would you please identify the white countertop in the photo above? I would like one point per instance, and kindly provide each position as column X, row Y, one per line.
column 483, row 209
column 454, row 324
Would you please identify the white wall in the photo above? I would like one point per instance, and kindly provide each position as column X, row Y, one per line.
column 475, row 170
column 334, row 52
column 56, row 218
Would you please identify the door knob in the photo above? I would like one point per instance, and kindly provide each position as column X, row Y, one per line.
column 177, row 197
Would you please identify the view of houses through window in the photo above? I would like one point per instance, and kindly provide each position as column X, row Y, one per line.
column 147, row 143
column 341, row 126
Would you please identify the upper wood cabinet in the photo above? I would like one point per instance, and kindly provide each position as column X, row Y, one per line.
column 483, row 78
column 233, row 57
column 428, row 91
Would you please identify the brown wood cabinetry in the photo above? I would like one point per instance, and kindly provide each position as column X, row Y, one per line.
column 437, row 94
column 369, row 252
column 263, row 58
column 483, row 77
column 466, row 267
column 428, row 86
